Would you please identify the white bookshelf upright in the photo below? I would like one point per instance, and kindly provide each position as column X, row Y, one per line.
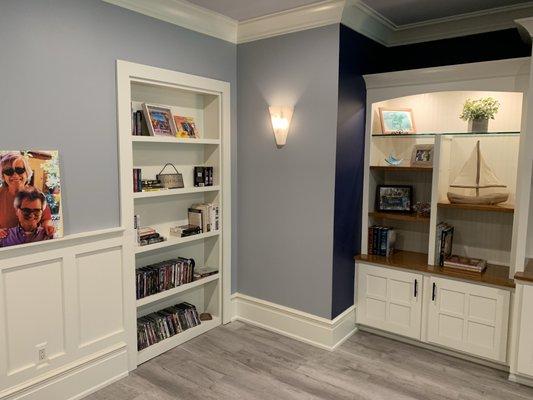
column 208, row 102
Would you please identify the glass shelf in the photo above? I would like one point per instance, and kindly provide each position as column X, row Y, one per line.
column 422, row 135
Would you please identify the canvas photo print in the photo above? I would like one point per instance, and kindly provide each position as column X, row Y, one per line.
column 394, row 198
column 186, row 127
column 397, row 121
column 30, row 197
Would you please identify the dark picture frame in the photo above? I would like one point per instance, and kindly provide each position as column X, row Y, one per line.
column 394, row 198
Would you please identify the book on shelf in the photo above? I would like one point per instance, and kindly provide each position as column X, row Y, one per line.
column 138, row 124
column 164, row 275
column 137, row 180
column 381, row 240
column 465, row 264
column 163, row 324
column 146, row 235
column 185, row 230
column 203, row 176
column 205, row 215
column 444, row 243
column 204, row 272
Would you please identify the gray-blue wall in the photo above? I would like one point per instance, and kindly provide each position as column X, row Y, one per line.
column 57, row 89
column 286, row 196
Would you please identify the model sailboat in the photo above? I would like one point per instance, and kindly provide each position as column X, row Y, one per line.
column 476, row 174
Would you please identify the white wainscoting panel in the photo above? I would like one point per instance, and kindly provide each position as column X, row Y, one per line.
column 65, row 297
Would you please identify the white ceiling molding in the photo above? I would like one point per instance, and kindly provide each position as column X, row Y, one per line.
column 186, row 15
column 352, row 13
column 298, row 19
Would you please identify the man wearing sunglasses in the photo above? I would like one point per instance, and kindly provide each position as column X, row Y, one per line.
column 16, row 174
column 29, row 205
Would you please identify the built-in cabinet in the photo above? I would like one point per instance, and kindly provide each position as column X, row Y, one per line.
column 525, row 341
column 461, row 316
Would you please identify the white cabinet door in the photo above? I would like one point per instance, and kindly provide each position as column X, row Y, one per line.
column 469, row 318
column 525, row 343
column 390, row 300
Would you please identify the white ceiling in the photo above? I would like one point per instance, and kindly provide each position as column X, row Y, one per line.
column 399, row 12
column 242, row 10
column 402, row 12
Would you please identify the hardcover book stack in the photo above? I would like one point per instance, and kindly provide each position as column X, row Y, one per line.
column 203, row 176
column 381, row 240
column 166, row 323
column 146, row 235
column 164, row 275
column 206, row 216
column 444, row 242
column 473, row 265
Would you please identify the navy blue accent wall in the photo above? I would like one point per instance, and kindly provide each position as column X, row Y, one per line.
column 358, row 56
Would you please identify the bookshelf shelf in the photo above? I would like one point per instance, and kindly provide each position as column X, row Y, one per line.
column 503, row 208
column 175, row 192
column 162, row 139
column 167, row 344
column 399, row 168
column 174, row 241
column 172, row 292
column 432, row 134
column 411, row 217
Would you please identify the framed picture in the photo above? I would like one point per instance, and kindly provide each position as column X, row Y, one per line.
column 394, row 198
column 186, row 127
column 396, row 120
column 422, row 155
column 30, row 197
column 159, row 120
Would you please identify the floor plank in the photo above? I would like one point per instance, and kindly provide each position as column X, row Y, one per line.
column 239, row 361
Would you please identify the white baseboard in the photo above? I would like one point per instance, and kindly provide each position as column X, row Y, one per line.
column 75, row 381
column 521, row 379
column 317, row 331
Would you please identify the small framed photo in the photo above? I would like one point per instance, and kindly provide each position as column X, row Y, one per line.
column 394, row 198
column 397, row 120
column 422, row 155
column 186, row 127
column 159, row 120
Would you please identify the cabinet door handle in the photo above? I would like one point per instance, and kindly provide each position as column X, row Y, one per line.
column 434, row 293
column 416, row 288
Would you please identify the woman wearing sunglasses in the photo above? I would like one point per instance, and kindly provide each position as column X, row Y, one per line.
column 16, row 174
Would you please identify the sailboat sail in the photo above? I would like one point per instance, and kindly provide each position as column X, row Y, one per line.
column 476, row 173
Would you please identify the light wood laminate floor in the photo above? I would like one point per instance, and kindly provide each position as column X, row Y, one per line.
column 239, row 361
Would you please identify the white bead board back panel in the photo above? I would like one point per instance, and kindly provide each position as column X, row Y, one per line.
column 67, row 299
column 529, row 248
column 439, row 112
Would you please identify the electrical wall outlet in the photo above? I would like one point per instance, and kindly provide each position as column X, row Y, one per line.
column 41, row 353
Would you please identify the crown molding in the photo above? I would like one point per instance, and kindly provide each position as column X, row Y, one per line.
column 186, row 15
column 297, row 19
column 353, row 13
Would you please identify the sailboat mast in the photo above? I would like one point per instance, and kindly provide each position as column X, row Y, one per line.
column 478, row 151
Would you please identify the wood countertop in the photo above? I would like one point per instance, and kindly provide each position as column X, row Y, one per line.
column 497, row 275
column 527, row 275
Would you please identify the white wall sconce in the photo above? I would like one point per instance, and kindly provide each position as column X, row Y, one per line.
column 281, row 120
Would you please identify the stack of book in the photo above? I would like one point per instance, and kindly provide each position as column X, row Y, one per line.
column 204, row 272
column 151, row 185
column 444, row 242
column 138, row 124
column 467, row 264
column 137, row 180
column 203, row 176
column 206, row 216
column 165, row 275
column 166, row 323
column 381, row 240
column 185, row 230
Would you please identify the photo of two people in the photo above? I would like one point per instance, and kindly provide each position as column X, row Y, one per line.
column 30, row 197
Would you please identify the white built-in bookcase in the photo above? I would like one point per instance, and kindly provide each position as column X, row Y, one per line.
column 436, row 97
column 208, row 102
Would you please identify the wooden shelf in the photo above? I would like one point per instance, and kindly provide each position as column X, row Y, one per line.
column 527, row 274
column 174, row 241
column 399, row 168
column 174, row 192
column 173, row 341
column 172, row 292
column 504, row 208
column 169, row 139
column 410, row 217
column 496, row 275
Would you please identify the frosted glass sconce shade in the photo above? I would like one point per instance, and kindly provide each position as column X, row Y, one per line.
column 281, row 121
